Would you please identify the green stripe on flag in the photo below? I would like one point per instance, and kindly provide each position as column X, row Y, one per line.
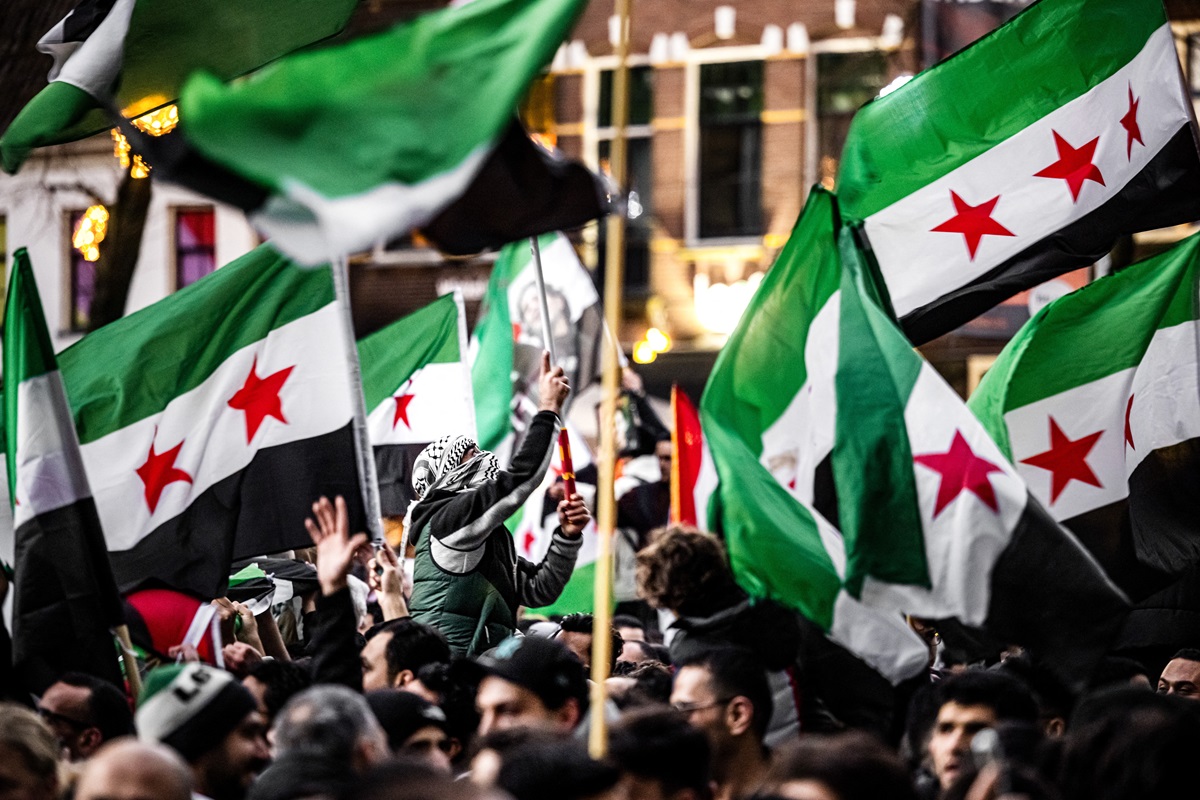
column 578, row 596
column 46, row 119
column 28, row 351
column 774, row 328
column 1047, row 56
column 1103, row 328
column 242, row 302
column 872, row 458
column 492, row 361
column 427, row 336
column 400, row 92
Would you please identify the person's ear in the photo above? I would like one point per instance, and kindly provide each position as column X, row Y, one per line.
column 739, row 715
column 403, row 678
column 90, row 740
column 569, row 714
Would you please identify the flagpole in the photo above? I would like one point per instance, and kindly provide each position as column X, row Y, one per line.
column 564, row 440
column 614, row 264
column 129, row 661
column 362, row 441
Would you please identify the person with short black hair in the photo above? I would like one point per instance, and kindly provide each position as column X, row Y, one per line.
column 414, row 726
column 274, row 682
column 560, row 769
column 661, row 755
column 397, row 650
column 1181, row 675
column 843, row 766
column 630, row 627
column 967, row 703
column 575, row 631
column 724, row 692
column 85, row 712
column 531, row 682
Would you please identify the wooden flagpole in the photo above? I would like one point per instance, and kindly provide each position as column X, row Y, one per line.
column 614, row 265
column 564, row 441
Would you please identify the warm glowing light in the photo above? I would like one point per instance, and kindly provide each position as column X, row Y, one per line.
column 90, row 232
column 160, row 122
column 719, row 306
column 643, row 353
column 156, row 123
column 659, row 340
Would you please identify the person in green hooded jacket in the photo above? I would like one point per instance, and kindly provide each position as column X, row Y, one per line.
column 468, row 580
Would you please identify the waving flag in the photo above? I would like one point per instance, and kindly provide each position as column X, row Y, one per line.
column 334, row 150
column 418, row 389
column 1022, row 157
column 211, row 420
column 138, row 53
column 857, row 487
column 64, row 600
column 1097, row 402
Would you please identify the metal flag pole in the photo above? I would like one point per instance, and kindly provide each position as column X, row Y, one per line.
column 564, row 441
column 614, row 265
column 362, row 440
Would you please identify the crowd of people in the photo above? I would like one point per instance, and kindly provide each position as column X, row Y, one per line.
column 440, row 688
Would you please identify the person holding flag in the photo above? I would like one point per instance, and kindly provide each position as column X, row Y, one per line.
column 467, row 578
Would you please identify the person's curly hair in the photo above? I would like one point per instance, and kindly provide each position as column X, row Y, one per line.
column 684, row 570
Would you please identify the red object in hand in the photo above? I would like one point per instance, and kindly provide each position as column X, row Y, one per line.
column 568, row 467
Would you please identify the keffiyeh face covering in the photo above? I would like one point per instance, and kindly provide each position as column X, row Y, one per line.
column 438, row 467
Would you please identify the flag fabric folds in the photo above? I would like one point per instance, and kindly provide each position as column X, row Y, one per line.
column 334, row 150
column 417, row 387
column 858, row 488
column 139, row 52
column 211, row 420
column 1022, row 157
column 65, row 600
column 507, row 345
column 1097, row 403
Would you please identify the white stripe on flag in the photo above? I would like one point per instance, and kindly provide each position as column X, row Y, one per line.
column 919, row 264
column 316, row 400
column 50, row 473
column 438, row 403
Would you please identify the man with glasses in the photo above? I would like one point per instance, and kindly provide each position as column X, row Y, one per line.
column 724, row 693
column 85, row 712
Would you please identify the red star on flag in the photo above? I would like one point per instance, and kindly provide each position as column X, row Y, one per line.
column 1066, row 460
column 1130, row 124
column 973, row 222
column 402, row 401
column 527, row 544
column 961, row 470
column 159, row 471
column 259, row 398
column 1128, row 429
column 1074, row 165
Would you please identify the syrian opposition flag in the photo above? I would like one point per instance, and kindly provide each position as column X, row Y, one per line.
column 64, row 598
column 857, row 487
column 1022, row 157
column 693, row 476
column 137, row 54
column 332, row 151
column 1097, row 402
column 507, row 345
column 211, row 421
column 417, row 387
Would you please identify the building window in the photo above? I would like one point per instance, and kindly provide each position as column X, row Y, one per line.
column 195, row 245
column 845, row 81
column 730, row 168
column 639, row 175
column 83, row 275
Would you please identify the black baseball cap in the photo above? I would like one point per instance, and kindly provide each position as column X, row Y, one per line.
column 543, row 666
column 401, row 714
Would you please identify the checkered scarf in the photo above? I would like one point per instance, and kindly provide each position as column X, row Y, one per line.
column 438, row 467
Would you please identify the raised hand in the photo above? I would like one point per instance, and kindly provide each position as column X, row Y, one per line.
column 573, row 516
column 336, row 548
column 553, row 386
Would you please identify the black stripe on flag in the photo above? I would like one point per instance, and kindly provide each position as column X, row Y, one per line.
column 83, row 20
column 64, row 599
column 1166, row 191
column 257, row 511
column 394, row 469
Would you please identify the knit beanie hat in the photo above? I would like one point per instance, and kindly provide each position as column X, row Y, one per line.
column 191, row 708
